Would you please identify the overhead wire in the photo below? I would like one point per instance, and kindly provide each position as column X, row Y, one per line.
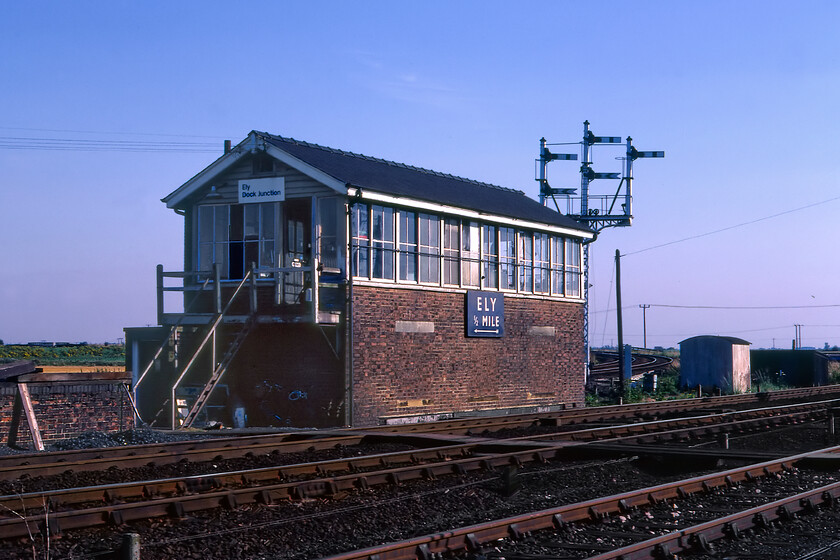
column 742, row 224
column 103, row 142
column 74, row 144
column 107, row 132
column 699, row 235
column 737, row 307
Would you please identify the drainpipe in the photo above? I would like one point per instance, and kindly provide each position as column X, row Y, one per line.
column 348, row 263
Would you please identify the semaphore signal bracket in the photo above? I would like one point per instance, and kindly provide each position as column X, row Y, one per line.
column 597, row 210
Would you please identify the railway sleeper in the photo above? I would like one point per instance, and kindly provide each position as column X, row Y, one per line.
column 423, row 553
column 472, row 543
column 315, row 488
column 108, row 496
column 264, row 498
column 51, row 528
column 229, row 501
column 601, row 511
column 176, row 509
column 428, row 474
column 662, row 551
column 700, row 542
column 115, row 518
column 732, row 531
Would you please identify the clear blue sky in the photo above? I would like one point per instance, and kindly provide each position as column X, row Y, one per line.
column 742, row 96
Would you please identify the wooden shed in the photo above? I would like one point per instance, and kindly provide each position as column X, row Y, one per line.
column 797, row 368
column 721, row 362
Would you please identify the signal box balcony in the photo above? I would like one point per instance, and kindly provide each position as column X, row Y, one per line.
column 301, row 293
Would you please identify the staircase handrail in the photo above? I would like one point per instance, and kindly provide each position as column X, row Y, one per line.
column 248, row 275
column 166, row 340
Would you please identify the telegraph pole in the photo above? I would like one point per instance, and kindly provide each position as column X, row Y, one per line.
column 621, row 371
column 645, row 307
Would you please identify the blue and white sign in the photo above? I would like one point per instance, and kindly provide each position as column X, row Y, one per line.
column 485, row 314
column 266, row 189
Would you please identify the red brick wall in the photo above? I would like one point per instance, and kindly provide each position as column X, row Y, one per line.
column 66, row 409
column 424, row 373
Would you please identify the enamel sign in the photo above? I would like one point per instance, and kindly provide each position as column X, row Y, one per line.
column 485, row 314
column 266, row 189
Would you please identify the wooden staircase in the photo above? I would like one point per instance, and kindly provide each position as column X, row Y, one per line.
column 219, row 371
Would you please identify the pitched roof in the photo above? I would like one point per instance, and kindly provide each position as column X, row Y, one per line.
column 729, row 339
column 397, row 179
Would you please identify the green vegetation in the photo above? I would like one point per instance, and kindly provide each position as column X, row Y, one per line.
column 84, row 355
column 767, row 381
column 834, row 372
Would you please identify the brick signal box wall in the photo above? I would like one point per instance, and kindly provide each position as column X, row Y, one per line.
column 537, row 363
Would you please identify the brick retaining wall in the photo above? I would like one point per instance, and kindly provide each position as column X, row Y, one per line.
column 67, row 409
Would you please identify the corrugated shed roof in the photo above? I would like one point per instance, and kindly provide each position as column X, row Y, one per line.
column 398, row 179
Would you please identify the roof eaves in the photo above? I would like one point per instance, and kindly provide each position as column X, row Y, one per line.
column 225, row 161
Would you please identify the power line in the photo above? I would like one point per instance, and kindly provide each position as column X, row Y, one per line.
column 111, row 133
column 736, row 307
column 75, row 144
column 102, row 143
column 731, row 227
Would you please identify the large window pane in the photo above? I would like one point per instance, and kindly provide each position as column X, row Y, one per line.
column 489, row 258
column 429, row 262
column 221, row 231
column 382, row 237
column 408, row 246
column 267, row 255
column 251, row 223
column 507, row 258
column 451, row 252
column 361, row 240
column 267, row 220
column 526, row 259
column 470, row 246
column 206, row 223
column 573, row 275
column 541, row 262
column 252, row 254
column 557, row 262
column 328, row 232
column 237, row 218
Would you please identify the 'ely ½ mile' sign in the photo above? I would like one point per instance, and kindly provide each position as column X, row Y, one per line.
column 485, row 314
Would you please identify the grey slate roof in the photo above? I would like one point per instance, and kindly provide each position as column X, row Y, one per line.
column 398, row 179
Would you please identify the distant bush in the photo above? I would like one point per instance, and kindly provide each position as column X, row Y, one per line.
column 85, row 355
column 834, row 372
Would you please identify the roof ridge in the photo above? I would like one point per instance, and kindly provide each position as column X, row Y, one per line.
column 391, row 163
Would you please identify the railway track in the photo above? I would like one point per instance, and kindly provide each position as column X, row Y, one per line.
column 546, row 529
column 448, row 451
column 224, row 447
column 115, row 504
column 695, row 427
column 641, row 363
